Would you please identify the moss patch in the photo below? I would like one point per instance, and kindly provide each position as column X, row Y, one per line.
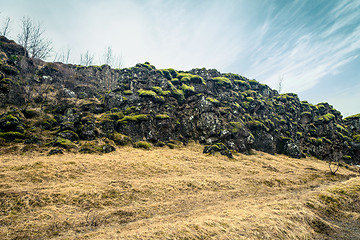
column 190, row 78
column 356, row 116
column 12, row 136
column 120, row 139
column 223, row 81
column 162, row 116
column 142, row 144
column 146, row 93
column 256, row 125
column 213, row 100
column 134, row 118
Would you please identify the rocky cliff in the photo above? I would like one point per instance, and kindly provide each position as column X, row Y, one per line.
column 71, row 106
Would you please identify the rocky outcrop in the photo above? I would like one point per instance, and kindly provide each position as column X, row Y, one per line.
column 164, row 105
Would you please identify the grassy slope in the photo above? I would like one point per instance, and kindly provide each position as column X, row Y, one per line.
column 175, row 194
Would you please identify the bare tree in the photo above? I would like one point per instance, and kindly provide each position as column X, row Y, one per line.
column 112, row 60
column 33, row 40
column 5, row 27
column 118, row 62
column 63, row 56
column 280, row 84
column 334, row 161
column 86, row 59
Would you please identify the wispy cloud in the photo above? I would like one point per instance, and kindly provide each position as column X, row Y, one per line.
column 307, row 48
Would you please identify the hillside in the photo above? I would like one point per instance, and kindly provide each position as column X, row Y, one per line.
column 91, row 152
column 176, row 194
column 59, row 106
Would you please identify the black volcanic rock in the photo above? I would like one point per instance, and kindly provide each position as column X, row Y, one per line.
column 165, row 105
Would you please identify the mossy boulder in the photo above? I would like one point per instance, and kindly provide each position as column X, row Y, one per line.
column 147, row 93
column 12, row 136
column 222, row 81
column 190, row 78
column 218, row 147
column 68, row 134
column 120, row 139
column 63, row 143
column 142, row 144
column 133, row 118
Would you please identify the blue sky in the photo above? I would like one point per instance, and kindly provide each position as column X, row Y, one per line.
column 313, row 45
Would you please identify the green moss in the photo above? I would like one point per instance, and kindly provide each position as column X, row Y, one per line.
column 283, row 138
column 242, row 83
column 253, row 82
column 178, row 94
column 236, row 126
column 175, row 81
column 120, row 139
column 146, row 66
column 111, row 116
column 326, row 140
column 130, row 110
column 190, row 78
column 356, row 138
column 142, row 144
column 64, row 143
column 256, row 125
column 160, row 99
column 340, row 128
column 159, row 91
column 316, row 141
column 188, row 90
column 212, row 100
column 326, row 118
column 146, row 93
column 249, row 99
column 128, row 92
column 356, row 116
column 12, row 136
column 306, row 114
column 223, row 81
column 133, row 118
column 236, row 105
column 269, row 124
column 162, row 116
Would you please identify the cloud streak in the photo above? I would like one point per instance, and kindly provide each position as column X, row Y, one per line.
column 306, row 49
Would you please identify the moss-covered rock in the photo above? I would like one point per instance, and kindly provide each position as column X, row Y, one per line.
column 147, row 93
column 12, row 136
column 63, row 143
column 142, row 144
column 188, row 90
column 190, row 78
column 222, row 81
column 133, row 118
column 68, row 134
column 162, row 116
column 120, row 139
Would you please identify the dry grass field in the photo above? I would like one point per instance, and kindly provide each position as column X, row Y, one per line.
column 175, row 194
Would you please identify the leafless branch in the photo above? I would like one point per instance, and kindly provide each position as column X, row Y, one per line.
column 33, row 40
column 5, row 27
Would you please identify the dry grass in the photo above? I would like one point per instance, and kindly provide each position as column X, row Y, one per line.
column 175, row 194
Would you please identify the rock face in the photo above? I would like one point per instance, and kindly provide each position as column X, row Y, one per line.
column 164, row 105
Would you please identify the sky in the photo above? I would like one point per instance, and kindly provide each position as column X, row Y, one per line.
column 313, row 46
